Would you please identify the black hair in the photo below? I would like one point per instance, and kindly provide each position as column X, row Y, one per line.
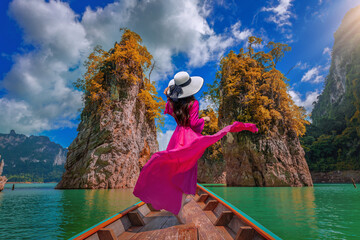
column 181, row 109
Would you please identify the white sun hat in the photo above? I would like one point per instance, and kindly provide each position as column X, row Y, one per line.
column 184, row 86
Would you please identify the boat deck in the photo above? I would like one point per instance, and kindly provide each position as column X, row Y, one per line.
column 205, row 216
column 162, row 224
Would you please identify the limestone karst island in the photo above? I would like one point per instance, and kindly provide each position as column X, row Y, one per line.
column 91, row 98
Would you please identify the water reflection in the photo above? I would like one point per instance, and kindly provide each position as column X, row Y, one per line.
column 28, row 212
column 325, row 211
column 283, row 210
column 82, row 209
column 38, row 211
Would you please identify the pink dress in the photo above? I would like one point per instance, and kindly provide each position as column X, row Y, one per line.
column 170, row 173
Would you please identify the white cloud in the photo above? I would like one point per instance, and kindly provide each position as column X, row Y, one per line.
column 167, row 28
column 281, row 13
column 206, row 102
column 39, row 82
column 39, row 97
column 301, row 65
column 309, row 99
column 327, row 51
column 164, row 138
column 313, row 75
column 240, row 35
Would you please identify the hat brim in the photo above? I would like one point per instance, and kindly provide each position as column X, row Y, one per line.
column 191, row 89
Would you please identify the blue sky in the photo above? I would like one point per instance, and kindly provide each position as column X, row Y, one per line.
column 44, row 43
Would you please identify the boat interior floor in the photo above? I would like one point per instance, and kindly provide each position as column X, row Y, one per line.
column 198, row 224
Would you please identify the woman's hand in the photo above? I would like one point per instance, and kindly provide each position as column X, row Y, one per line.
column 166, row 89
column 206, row 119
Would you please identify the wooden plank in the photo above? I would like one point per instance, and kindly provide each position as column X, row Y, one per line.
column 120, row 225
column 190, row 233
column 227, row 233
column 211, row 216
column 147, row 231
column 224, row 218
column 192, row 213
column 186, row 231
column 236, row 223
column 201, row 204
column 94, row 236
column 89, row 233
column 136, row 219
column 219, row 209
column 143, row 210
column 150, row 224
column 202, row 197
column 106, row 234
column 171, row 221
column 210, row 205
column 152, row 208
column 210, row 198
column 245, row 233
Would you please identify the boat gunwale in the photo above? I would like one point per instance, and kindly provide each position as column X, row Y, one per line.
column 93, row 229
column 243, row 216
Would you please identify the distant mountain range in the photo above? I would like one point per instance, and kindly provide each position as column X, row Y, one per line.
column 33, row 158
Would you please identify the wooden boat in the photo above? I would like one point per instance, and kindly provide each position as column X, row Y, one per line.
column 206, row 216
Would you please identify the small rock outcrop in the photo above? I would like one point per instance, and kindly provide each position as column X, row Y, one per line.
column 3, row 179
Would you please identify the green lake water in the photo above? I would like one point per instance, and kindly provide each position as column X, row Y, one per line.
column 325, row 211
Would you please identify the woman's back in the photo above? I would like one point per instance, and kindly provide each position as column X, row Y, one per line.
column 195, row 123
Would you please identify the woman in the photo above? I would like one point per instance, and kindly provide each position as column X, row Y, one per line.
column 169, row 175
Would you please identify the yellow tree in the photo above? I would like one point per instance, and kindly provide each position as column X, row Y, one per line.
column 125, row 64
column 214, row 152
column 250, row 89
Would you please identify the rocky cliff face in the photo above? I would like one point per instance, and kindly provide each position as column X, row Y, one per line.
column 211, row 172
column 3, row 179
column 35, row 157
column 336, row 97
column 332, row 141
column 111, row 147
column 336, row 176
column 266, row 161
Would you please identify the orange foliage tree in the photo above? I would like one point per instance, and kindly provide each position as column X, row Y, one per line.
column 126, row 63
column 248, row 88
column 214, row 152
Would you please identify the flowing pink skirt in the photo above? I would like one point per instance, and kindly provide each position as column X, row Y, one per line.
column 165, row 177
